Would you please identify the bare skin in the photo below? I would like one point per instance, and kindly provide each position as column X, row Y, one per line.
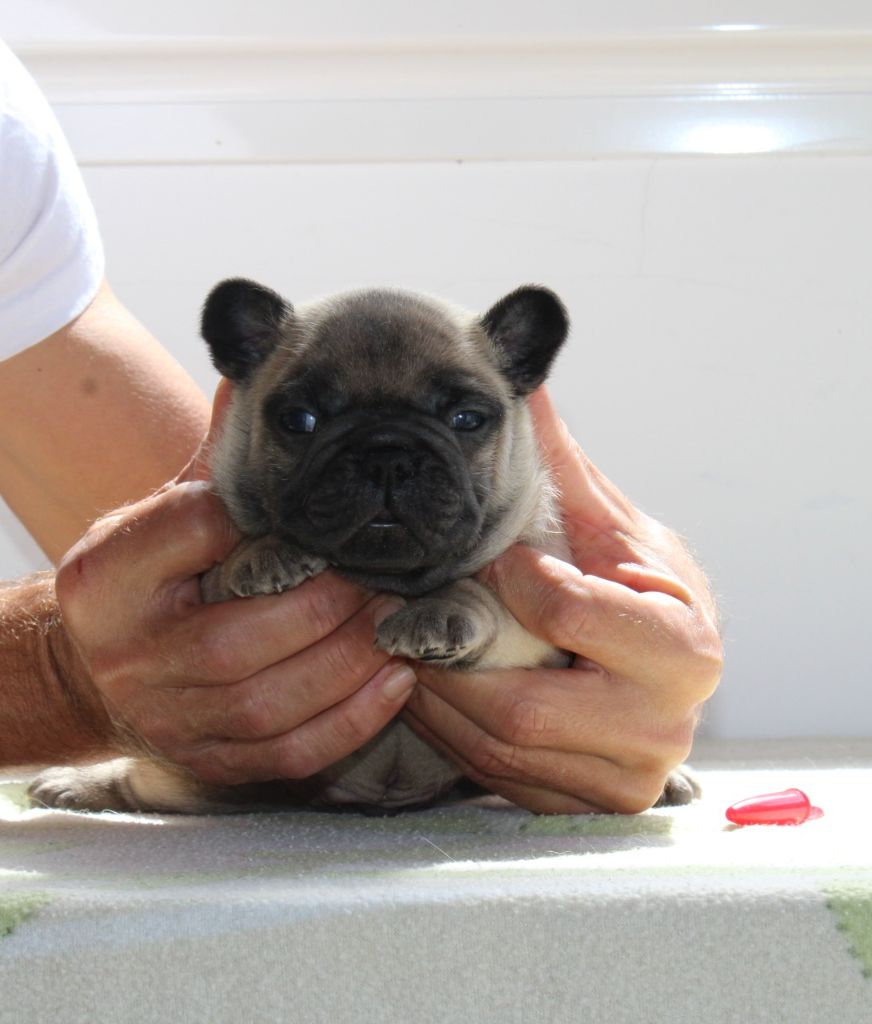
column 49, row 711
column 85, row 421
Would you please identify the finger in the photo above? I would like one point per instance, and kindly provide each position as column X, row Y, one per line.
column 542, row 801
column 288, row 693
column 212, row 663
column 641, row 636
column 200, row 466
column 645, row 579
column 541, row 781
column 585, row 494
column 177, row 533
column 315, row 745
column 143, row 563
column 225, row 642
column 559, row 710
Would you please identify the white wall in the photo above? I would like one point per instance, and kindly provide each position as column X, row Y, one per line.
column 701, row 200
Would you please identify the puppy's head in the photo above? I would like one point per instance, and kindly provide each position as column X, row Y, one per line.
column 383, row 430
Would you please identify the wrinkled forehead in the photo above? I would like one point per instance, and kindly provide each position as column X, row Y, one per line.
column 393, row 344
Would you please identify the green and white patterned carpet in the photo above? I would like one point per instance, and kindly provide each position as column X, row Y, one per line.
column 473, row 913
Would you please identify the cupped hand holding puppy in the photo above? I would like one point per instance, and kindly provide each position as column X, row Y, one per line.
column 240, row 691
column 640, row 620
column 287, row 685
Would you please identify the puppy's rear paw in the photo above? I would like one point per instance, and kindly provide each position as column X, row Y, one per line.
column 98, row 787
column 431, row 629
column 681, row 788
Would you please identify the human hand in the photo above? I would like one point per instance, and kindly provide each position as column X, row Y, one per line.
column 269, row 687
column 604, row 734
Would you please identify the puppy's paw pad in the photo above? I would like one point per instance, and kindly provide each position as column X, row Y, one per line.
column 268, row 566
column 433, row 631
column 681, row 787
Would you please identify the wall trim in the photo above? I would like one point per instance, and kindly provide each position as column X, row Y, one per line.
column 268, row 100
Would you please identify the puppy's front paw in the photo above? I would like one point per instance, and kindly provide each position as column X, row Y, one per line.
column 432, row 630
column 260, row 565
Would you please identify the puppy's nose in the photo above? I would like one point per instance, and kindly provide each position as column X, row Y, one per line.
column 389, row 466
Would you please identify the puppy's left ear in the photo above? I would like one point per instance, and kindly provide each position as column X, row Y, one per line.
column 528, row 327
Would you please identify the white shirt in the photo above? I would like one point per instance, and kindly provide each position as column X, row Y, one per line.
column 51, row 255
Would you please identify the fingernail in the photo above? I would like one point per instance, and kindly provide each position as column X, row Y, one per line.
column 385, row 607
column 399, row 683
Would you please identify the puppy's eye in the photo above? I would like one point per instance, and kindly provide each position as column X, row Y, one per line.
column 298, row 421
column 466, row 419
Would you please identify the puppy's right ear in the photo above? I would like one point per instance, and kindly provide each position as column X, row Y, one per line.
column 242, row 323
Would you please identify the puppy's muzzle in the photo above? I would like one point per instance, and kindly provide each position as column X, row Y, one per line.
column 387, row 467
column 387, row 493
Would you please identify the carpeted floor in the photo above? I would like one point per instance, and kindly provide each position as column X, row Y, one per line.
column 475, row 912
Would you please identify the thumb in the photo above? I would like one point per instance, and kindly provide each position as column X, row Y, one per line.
column 584, row 493
column 600, row 619
column 199, row 467
column 609, row 537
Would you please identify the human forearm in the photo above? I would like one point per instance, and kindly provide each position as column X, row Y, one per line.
column 91, row 418
column 49, row 712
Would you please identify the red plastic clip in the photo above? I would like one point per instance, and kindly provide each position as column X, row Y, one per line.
column 789, row 807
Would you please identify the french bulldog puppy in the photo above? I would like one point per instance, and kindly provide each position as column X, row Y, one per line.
column 386, row 435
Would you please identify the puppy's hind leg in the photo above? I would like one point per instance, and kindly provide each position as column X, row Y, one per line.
column 137, row 784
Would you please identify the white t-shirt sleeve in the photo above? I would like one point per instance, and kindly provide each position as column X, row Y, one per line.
column 51, row 255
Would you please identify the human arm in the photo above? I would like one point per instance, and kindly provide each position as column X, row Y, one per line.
column 46, row 714
column 95, row 416
column 641, row 622
column 127, row 658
